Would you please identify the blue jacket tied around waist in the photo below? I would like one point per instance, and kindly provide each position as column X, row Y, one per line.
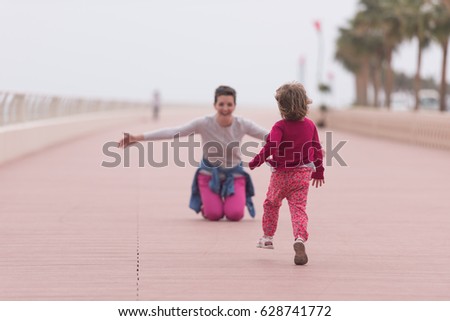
column 223, row 188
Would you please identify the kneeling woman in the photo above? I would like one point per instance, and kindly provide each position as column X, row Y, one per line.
column 221, row 187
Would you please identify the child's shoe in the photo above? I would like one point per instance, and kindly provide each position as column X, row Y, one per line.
column 300, row 253
column 265, row 242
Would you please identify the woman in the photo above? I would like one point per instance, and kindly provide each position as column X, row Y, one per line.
column 221, row 187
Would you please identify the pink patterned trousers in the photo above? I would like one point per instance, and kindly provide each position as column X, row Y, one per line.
column 214, row 207
column 292, row 185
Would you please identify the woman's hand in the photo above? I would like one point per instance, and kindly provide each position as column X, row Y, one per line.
column 128, row 140
column 318, row 182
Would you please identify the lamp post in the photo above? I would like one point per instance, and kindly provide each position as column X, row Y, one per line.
column 301, row 69
column 320, row 85
column 317, row 26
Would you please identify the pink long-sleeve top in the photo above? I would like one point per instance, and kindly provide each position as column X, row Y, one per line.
column 292, row 144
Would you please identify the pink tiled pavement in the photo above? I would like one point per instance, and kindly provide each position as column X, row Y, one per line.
column 71, row 229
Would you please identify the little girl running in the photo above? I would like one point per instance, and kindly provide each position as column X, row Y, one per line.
column 296, row 154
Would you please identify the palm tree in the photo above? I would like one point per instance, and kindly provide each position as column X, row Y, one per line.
column 382, row 15
column 366, row 47
column 346, row 53
column 416, row 16
column 352, row 53
column 372, row 42
column 440, row 28
column 392, row 37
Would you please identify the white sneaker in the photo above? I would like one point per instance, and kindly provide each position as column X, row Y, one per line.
column 265, row 242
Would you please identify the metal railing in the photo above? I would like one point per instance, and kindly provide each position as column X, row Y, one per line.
column 18, row 108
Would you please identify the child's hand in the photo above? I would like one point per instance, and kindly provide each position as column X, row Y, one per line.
column 317, row 182
column 255, row 162
column 127, row 140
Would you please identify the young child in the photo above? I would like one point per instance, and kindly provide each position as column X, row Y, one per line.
column 296, row 154
column 220, row 188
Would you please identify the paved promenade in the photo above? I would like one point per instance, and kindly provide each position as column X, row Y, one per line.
column 71, row 229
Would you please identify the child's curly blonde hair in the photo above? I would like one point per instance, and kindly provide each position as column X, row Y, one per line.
column 292, row 101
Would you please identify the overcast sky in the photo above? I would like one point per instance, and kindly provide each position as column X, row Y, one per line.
column 186, row 48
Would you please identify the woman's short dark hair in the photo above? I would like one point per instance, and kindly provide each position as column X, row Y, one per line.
column 224, row 91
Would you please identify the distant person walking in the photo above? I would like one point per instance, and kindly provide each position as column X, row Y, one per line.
column 156, row 104
column 221, row 187
column 296, row 154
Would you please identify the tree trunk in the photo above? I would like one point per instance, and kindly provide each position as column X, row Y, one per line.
column 358, row 86
column 389, row 78
column 365, row 74
column 417, row 78
column 361, row 78
column 442, row 93
column 361, row 87
column 376, row 80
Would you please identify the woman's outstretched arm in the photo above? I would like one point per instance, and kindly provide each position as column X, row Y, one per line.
column 192, row 127
column 254, row 130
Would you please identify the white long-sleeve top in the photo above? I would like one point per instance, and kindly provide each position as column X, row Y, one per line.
column 220, row 144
